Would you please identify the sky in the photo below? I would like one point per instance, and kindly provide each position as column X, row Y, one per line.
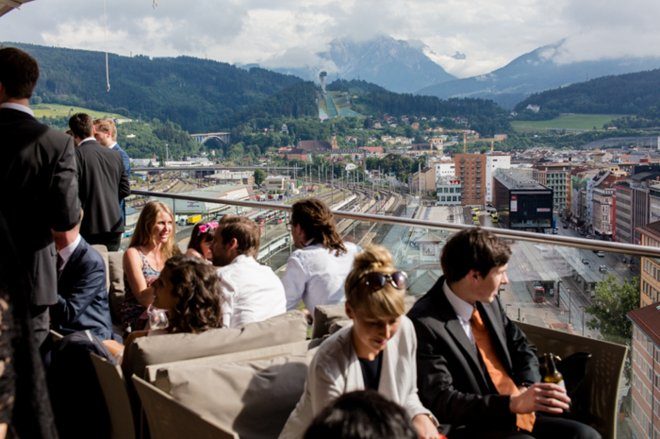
column 466, row 37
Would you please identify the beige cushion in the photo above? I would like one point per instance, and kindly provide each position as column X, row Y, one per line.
column 297, row 348
column 103, row 251
column 116, row 290
column 285, row 328
column 326, row 315
column 254, row 398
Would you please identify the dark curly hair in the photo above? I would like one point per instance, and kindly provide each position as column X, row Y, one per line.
column 197, row 289
column 318, row 223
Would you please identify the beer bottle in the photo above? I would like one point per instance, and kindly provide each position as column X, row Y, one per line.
column 552, row 375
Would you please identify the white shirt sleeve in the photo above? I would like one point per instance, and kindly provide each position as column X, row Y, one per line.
column 294, row 280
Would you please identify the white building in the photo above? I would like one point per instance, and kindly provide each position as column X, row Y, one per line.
column 494, row 160
column 444, row 168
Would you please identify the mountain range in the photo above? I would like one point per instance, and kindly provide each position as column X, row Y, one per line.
column 399, row 66
column 533, row 72
column 405, row 67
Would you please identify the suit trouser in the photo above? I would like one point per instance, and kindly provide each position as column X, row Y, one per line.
column 546, row 426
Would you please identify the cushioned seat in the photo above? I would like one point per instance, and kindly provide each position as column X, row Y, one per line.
column 286, row 328
column 253, row 398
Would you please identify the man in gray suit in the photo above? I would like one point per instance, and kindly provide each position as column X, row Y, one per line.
column 38, row 184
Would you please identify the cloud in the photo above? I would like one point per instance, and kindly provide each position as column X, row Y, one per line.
column 489, row 33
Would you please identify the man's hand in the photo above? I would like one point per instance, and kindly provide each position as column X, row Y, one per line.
column 424, row 427
column 540, row 397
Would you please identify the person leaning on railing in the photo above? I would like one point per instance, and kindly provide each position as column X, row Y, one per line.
column 476, row 369
column 151, row 245
column 376, row 352
column 316, row 271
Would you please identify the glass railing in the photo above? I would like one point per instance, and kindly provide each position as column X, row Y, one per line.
column 554, row 279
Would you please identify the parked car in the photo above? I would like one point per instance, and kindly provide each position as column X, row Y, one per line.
column 602, row 268
column 600, row 254
column 585, row 261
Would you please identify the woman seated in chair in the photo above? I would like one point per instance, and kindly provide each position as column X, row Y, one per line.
column 376, row 352
column 151, row 245
column 201, row 239
column 188, row 290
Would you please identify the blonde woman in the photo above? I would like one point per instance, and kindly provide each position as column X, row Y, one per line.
column 152, row 244
column 376, row 352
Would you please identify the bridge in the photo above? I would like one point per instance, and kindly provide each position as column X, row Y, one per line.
column 222, row 136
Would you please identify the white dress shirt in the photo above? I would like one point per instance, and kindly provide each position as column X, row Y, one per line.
column 17, row 107
column 462, row 309
column 67, row 251
column 251, row 292
column 315, row 275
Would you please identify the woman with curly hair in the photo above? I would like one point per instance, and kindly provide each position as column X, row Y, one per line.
column 151, row 245
column 188, row 289
column 316, row 271
column 376, row 352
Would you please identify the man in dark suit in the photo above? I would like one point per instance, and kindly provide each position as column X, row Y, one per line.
column 476, row 369
column 102, row 182
column 82, row 294
column 38, row 185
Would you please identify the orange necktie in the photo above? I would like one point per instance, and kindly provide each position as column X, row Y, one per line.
column 498, row 374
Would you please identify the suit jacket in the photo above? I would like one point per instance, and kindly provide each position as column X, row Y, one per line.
column 336, row 370
column 103, row 183
column 82, row 301
column 127, row 167
column 39, row 192
column 452, row 382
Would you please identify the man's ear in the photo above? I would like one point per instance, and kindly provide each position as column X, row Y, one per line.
column 349, row 311
column 473, row 275
column 233, row 244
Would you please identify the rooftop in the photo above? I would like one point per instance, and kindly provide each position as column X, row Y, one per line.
column 647, row 319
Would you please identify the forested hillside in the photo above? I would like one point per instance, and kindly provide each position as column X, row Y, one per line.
column 481, row 115
column 197, row 94
column 632, row 94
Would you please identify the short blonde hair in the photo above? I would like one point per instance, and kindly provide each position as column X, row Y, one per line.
column 107, row 126
column 382, row 304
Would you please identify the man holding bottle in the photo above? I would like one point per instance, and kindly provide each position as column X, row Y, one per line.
column 476, row 369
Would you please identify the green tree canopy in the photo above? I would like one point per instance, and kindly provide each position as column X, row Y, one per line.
column 609, row 307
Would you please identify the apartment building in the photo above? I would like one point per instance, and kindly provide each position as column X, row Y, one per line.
column 556, row 176
column 494, row 161
column 649, row 280
column 471, row 170
column 645, row 389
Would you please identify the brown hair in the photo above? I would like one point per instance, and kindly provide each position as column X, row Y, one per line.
column 81, row 125
column 107, row 126
column 381, row 304
column 196, row 286
column 197, row 237
column 318, row 223
column 244, row 230
column 143, row 234
column 19, row 73
column 473, row 248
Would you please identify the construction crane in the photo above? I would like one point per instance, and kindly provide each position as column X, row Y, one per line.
column 492, row 141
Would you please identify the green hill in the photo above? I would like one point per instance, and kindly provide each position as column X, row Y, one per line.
column 631, row 94
column 197, row 94
column 479, row 114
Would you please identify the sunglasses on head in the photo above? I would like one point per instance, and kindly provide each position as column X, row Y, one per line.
column 377, row 280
